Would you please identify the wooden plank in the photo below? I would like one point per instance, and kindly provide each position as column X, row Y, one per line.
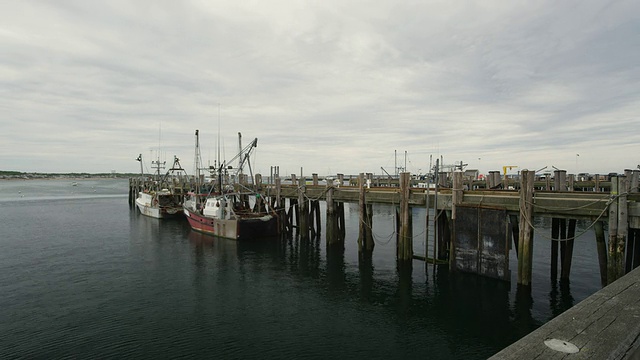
column 576, row 205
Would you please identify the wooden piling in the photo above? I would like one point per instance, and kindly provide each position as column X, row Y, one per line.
column 303, row 212
column 456, row 200
column 633, row 239
column 555, row 238
column 525, row 239
column 566, row 260
column 342, row 232
column 405, row 237
column 332, row 218
column 443, row 234
column 623, row 224
column 365, row 237
column 613, row 263
column 426, row 229
column 557, row 228
column 571, row 180
column 280, row 205
column 442, row 179
column 369, row 218
column 362, row 230
column 259, row 205
column 634, row 181
column 601, row 247
column 569, row 237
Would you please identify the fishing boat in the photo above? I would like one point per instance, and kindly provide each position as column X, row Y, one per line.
column 163, row 200
column 224, row 216
column 159, row 204
column 225, row 213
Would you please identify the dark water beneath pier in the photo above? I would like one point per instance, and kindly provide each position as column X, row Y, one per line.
column 84, row 276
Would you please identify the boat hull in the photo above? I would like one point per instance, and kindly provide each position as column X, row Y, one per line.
column 236, row 229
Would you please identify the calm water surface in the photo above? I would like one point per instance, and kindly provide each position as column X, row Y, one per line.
column 82, row 275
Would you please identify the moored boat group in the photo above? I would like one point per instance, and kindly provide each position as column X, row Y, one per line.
column 212, row 207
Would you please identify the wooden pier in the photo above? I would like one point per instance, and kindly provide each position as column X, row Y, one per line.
column 475, row 223
column 606, row 325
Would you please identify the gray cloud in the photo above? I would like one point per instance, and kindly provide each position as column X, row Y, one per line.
column 328, row 86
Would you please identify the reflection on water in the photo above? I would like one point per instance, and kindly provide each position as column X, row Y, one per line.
column 560, row 298
column 458, row 305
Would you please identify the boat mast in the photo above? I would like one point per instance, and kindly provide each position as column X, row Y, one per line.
column 240, row 153
column 157, row 164
column 219, row 162
column 196, row 162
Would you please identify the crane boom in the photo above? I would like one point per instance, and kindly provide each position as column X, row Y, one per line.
column 504, row 168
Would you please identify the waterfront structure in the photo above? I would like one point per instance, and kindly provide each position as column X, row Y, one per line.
column 475, row 222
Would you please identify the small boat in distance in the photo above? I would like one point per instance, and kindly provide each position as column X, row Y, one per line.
column 228, row 214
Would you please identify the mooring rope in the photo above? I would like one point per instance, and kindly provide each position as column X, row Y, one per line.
column 611, row 198
column 569, row 209
column 304, row 193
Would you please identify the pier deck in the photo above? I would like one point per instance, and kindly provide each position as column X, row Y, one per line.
column 606, row 325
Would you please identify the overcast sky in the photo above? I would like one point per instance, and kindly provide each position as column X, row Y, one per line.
column 330, row 86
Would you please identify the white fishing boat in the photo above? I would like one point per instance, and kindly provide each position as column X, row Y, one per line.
column 159, row 204
column 161, row 201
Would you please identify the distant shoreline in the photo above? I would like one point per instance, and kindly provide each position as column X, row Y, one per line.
column 70, row 177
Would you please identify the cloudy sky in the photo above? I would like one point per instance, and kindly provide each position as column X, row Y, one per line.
column 327, row 86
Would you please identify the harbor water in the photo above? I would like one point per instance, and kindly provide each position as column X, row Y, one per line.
column 83, row 275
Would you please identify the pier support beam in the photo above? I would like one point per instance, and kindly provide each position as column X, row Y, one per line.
column 525, row 238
